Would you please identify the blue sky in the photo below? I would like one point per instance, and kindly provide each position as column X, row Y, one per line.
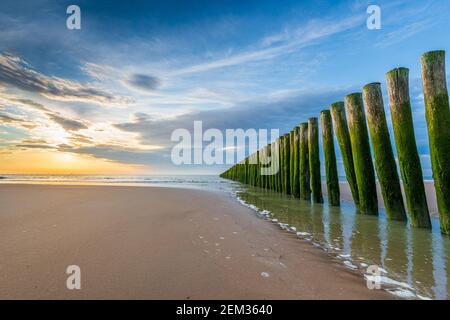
column 136, row 71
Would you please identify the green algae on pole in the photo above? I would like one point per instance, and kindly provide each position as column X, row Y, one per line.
column 282, row 171
column 384, row 156
column 304, row 179
column 437, row 113
column 286, row 165
column 405, row 142
column 291, row 160
column 296, row 159
column 343, row 136
column 314, row 160
column 362, row 159
column 332, row 177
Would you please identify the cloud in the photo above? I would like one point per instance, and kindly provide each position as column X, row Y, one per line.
column 144, row 82
column 5, row 118
column 29, row 103
column 278, row 113
column 115, row 153
column 35, row 146
column 281, row 43
column 80, row 139
column 17, row 73
column 404, row 32
column 67, row 124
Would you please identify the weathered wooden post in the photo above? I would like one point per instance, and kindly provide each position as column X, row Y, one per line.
column 362, row 159
column 261, row 161
column 291, row 160
column 314, row 160
column 437, row 113
column 277, row 174
column 266, row 183
column 257, row 165
column 272, row 165
column 305, row 182
column 330, row 159
column 296, row 159
column 343, row 136
column 384, row 156
column 282, row 171
column 405, row 141
column 287, row 158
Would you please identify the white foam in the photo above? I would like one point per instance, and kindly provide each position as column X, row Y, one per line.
column 402, row 293
column 386, row 281
column 302, row 234
column 350, row 265
column 265, row 274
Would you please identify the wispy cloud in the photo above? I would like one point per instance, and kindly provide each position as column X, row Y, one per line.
column 281, row 43
column 68, row 124
column 17, row 73
column 9, row 119
column 404, row 33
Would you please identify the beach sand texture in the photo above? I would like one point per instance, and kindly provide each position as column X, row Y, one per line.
column 156, row 243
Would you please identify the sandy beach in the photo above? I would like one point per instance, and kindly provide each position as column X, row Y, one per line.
column 156, row 243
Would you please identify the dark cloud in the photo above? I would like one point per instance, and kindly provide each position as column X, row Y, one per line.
column 144, row 82
column 116, row 153
column 34, row 146
column 17, row 73
column 67, row 124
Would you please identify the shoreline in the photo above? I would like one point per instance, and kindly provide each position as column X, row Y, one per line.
column 157, row 243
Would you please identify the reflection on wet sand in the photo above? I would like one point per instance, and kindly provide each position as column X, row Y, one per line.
column 414, row 256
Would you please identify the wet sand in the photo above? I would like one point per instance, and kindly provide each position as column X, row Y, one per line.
column 156, row 243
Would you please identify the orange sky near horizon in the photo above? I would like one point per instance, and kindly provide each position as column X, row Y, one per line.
column 57, row 162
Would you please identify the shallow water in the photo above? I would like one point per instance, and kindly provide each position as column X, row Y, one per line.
column 418, row 259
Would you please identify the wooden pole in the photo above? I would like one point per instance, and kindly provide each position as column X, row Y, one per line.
column 305, row 186
column 291, row 161
column 282, row 171
column 330, row 159
column 286, row 158
column 362, row 159
column 296, row 168
column 314, row 160
column 437, row 113
column 384, row 156
column 343, row 136
column 405, row 141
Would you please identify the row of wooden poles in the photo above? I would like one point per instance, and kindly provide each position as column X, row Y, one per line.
column 297, row 152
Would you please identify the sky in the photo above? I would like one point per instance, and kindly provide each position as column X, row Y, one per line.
column 105, row 99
